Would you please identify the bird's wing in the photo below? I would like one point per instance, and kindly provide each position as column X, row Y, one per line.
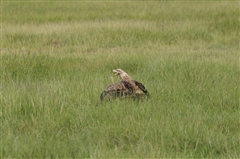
column 128, row 86
column 124, row 88
column 141, row 86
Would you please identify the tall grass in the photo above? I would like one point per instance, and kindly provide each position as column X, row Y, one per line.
column 57, row 57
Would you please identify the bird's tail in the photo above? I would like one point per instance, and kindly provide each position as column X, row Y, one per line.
column 101, row 99
column 102, row 96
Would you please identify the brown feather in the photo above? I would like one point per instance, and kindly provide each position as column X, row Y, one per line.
column 122, row 89
column 125, row 88
column 141, row 87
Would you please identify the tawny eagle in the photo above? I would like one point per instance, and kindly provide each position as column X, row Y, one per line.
column 127, row 87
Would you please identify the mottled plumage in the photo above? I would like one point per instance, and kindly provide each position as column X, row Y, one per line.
column 125, row 88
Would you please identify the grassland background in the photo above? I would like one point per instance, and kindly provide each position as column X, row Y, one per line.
column 57, row 57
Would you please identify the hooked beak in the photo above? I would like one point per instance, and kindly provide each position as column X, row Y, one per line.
column 116, row 73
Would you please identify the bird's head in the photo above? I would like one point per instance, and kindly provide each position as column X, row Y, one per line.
column 121, row 73
column 118, row 71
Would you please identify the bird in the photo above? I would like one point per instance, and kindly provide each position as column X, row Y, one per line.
column 127, row 87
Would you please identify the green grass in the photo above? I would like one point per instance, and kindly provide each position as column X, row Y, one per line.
column 57, row 58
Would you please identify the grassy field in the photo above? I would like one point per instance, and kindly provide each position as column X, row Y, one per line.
column 57, row 58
